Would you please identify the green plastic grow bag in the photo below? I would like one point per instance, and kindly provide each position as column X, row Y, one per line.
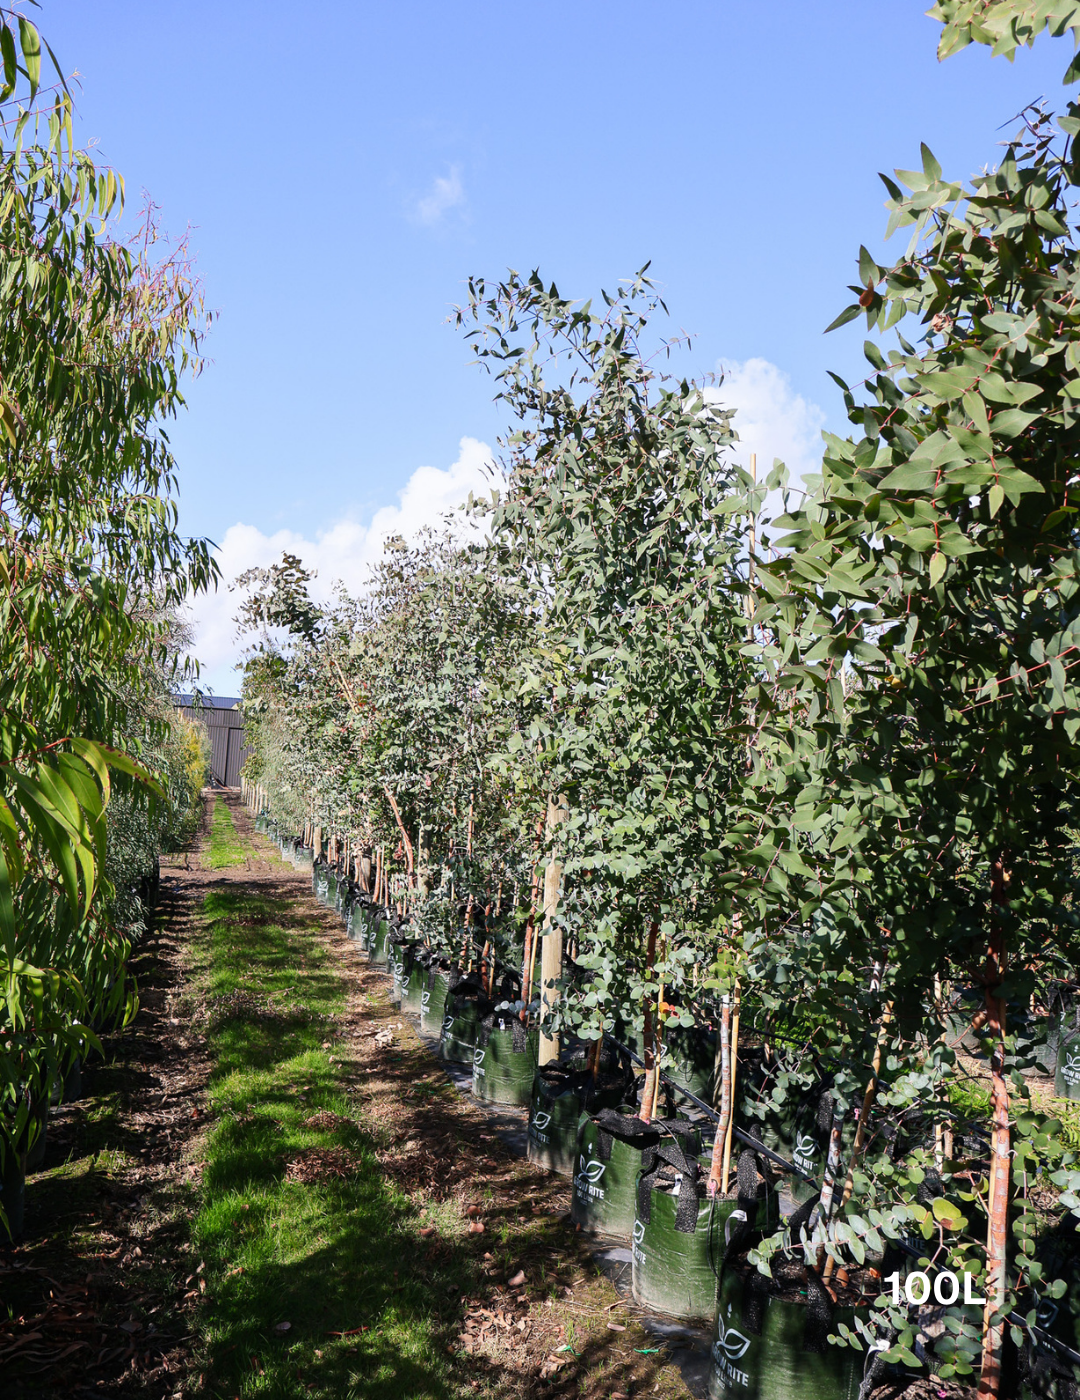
column 433, row 1001
column 397, row 955
column 413, row 985
column 774, row 1365
column 501, row 1075
column 671, row 1271
column 1067, row 1069
column 555, row 1112
column 380, row 943
column 604, row 1195
column 692, row 1052
column 461, row 1022
column 554, row 1118
column 1048, row 1373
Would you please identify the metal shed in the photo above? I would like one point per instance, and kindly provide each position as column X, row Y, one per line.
column 220, row 716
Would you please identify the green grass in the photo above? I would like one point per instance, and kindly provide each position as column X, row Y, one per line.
column 226, row 847
column 324, row 1258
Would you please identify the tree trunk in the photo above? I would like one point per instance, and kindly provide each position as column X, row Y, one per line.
column 717, row 1174
column 529, row 951
column 551, row 952
column 405, row 842
column 1000, row 1144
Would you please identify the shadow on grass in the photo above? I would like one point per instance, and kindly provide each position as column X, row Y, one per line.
column 291, row 1262
column 373, row 1310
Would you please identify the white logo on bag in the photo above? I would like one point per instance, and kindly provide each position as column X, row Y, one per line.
column 589, row 1174
column 537, row 1124
column 425, row 1001
column 637, row 1252
column 805, row 1152
column 732, row 1343
column 478, row 1060
column 447, row 1025
column 1070, row 1071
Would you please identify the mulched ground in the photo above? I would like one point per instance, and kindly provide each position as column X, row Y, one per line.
column 102, row 1297
column 99, row 1294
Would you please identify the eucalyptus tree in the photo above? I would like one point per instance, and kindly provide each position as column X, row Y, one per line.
column 95, row 335
column 613, row 524
column 393, row 716
column 918, row 626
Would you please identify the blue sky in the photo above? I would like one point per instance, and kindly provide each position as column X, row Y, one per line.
column 345, row 166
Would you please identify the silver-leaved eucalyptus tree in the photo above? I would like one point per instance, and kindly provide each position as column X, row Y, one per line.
column 613, row 526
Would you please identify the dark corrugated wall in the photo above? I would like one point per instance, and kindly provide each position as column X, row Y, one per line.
column 227, row 748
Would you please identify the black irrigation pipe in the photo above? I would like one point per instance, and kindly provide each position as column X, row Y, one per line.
column 905, row 1248
column 744, row 1138
column 1047, row 1338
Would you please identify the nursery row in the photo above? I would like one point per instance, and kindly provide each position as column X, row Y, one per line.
column 779, row 795
column 639, row 1161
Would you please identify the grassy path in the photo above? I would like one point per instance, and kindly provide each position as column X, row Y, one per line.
column 227, row 849
column 362, row 1231
column 271, row 1189
column 297, row 1223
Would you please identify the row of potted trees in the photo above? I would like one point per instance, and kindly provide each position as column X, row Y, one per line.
column 822, row 1319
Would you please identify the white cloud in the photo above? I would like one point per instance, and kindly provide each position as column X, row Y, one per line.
column 447, row 192
column 771, row 419
column 343, row 552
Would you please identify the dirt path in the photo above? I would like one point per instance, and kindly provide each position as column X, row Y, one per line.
column 104, row 1296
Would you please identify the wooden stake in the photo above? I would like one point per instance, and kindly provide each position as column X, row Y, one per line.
column 718, row 1168
column 551, row 951
column 651, row 1071
column 1000, row 1141
column 731, row 1092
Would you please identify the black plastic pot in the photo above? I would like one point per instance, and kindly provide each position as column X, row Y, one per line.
column 768, row 1348
column 504, row 1062
column 13, row 1192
